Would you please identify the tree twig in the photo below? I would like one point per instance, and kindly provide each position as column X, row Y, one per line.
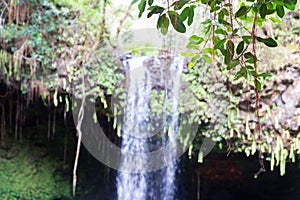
column 123, row 19
column 78, row 130
column 258, row 130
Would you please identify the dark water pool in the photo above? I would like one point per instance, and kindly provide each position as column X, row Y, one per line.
column 222, row 178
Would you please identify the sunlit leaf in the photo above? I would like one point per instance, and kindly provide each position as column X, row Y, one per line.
column 141, row 7
column 196, row 39
column 191, row 15
column 290, row 4
column 220, row 31
column 185, row 13
column 188, row 54
column 207, row 50
column 207, row 59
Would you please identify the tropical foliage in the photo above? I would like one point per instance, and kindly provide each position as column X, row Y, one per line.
column 231, row 32
column 54, row 48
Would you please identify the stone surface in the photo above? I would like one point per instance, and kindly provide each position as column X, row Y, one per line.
column 279, row 101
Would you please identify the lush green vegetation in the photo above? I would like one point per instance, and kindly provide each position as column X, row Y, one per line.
column 27, row 172
column 56, row 48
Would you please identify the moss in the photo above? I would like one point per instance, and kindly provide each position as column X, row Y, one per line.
column 28, row 173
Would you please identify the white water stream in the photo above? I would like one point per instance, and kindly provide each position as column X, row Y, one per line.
column 144, row 132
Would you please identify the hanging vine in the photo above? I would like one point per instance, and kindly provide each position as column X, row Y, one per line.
column 234, row 38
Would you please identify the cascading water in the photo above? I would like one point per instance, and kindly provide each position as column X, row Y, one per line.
column 145, row 130
column 134, row 186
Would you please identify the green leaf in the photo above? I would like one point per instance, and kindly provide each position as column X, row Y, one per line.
column 247, row 39
column 155, row 10
column 164, row 31
column 207, row 50
column 225, row 23
column 194, row 39
column 263, row 11
column 269, row 12
column 195, row 58
column 290, row 4
column 191, row 15
column 270, row 42
column 253, row 73
column 193, row 46
column 270, row 5
column 223, row 51
column 240, row 47
column 141, row 7
column 233, row 64
column 229, row 52
column 264, row 75
column 250, row 60
column 275, row 19
column 194, row 42
column 176, row 22
column 220, row 44
column 280, row 11
column 220, row 31
column 248, row 55
column 235, row 30
column 227, row 5
column 241, row 73
column 242, row 11
column 207, row 59
column 249, row 67
column 185, row 13
column 194, row 61
column 258, row 85
column 179, row 4
column 220, row 16
column 150, row 2
column 163, row 24
column 188, row 54
column 214, row 9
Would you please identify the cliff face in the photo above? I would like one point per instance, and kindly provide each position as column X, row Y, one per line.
column 279, row 101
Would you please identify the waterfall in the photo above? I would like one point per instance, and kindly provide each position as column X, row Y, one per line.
column 146, row 129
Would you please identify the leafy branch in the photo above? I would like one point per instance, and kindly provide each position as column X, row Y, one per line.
column 232, row 37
